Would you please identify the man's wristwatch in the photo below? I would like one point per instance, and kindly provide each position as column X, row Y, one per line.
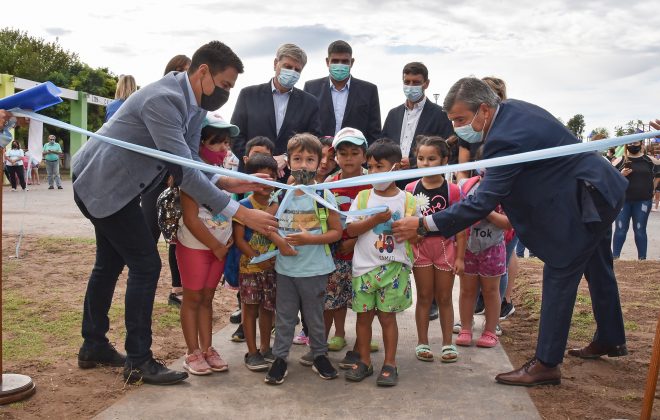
column 421, row 229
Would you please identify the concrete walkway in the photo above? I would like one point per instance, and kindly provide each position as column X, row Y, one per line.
column 462, row 390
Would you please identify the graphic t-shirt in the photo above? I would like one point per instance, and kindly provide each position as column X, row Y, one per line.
column 431, row 201
column 257, row 241
column 483, row 234
column 312, row 260
column 377, row 247
column 344, row 197
column 219, row 226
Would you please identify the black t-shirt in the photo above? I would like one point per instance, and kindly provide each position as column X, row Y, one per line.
column 433, row 200
column 640, row 180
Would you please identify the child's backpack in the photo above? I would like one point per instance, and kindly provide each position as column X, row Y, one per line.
column 483, row 234
column 168, row 205
column 410, row 209
column 233, row 258
column 454, row 191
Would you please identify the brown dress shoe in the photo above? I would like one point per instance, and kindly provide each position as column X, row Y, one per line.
column 595, row 350
column 532, row 373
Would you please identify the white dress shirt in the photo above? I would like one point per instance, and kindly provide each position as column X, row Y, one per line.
column 280, row 101
column 410, row 120
column 339, row 100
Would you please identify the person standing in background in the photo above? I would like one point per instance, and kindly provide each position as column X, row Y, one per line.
column 52, row 154
column 125, row 88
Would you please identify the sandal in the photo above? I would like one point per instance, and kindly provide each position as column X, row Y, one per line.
column 487, row 339
column 336, row 343
column 424, row 353
column 449, row 354
column 464, row 338
column 359, row 371
column 389, row 376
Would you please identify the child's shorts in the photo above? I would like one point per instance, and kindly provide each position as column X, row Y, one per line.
column 340, row 286
column 488, row 263
column 199, row 268
column 437, row 251
column 258, row 288
column 386, row 287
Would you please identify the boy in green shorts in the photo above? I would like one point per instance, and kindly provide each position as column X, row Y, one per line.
column 381, row 266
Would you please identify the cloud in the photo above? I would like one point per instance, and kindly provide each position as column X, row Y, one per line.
column 57, row 31
column 121, row 49
column 416, row 49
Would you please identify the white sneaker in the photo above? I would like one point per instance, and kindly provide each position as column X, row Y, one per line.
column 498, row 330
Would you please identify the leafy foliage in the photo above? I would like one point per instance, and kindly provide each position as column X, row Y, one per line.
column 36, row 59
column 576, row 125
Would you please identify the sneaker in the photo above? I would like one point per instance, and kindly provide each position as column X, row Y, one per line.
column 507, row 309
column 359, row 371
column 433, row 312
column 269, row 356
column 324, row 368
column 498, row 330
column 174, row 299
column 235, row 317
column 301, row 339
column 256, row 362
column 456, row 328
column 153, row 372
column 101, row 356
column 272, row 332
column 307, row 359
column 13, row 190
column 238, row 336
column 351, row 358
column 50, row 188
column 480, row 307
column 214, row 360
column 59, row 187
column 277, row 372
column 196, row 364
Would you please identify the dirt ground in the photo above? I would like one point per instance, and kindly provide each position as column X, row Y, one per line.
column 597, row 389
column 43, row 294
column 44, row 289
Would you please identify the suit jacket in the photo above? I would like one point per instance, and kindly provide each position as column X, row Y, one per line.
column 254, row 115
column 362, row 107
column 432, row 122
column 544, row 200
column 108, row 177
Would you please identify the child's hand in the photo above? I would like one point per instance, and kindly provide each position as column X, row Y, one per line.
column 346, row 246
column 220, row 252
column 459, row 266
column 288, row 251
column 383, row 217
column 302, row 238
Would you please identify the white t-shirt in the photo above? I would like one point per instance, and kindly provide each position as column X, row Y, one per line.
column 377, row 247
column 219, row 226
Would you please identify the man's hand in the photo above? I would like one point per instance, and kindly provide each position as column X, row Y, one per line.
column 405, row 229
column 240, row 186
column 4, row 117
column 281, row 164
column 257, row 220
column 405, row 163
column 655, row 124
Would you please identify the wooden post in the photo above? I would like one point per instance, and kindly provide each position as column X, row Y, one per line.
column 652, row 378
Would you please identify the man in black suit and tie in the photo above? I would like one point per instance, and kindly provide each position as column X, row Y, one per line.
column 345, row 101
column 416, row 116
column 276, row 109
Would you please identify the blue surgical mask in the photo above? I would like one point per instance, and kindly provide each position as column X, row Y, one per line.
column 288, row 78
column 413, row 93
column 468, row 133
column 340, row 72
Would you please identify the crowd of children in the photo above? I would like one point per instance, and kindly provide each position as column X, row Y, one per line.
column 324, row 262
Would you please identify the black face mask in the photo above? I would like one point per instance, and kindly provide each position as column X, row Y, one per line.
column 634, row 149
column 215, row 100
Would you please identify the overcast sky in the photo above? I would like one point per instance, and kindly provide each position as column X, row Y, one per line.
column 597, row 58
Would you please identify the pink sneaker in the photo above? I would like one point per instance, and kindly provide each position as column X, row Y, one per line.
column 301, row 339
column 196, row 364
column 487, row 339
column 464, row 338
column 215, row 361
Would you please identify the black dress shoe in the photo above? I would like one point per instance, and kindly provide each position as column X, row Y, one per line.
column 433, row 312
column 91, row 357
column 153, row 372
column 594, row 350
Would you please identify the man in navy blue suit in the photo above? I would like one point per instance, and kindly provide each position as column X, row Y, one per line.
column 561, row 208
column 345, row 101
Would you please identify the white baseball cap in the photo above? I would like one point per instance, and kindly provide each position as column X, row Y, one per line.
column 350, row 135
column 215, row 120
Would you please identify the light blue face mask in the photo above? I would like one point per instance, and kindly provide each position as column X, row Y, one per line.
column 468, row 133
column 340, row 72
column 288, row 78
column 413, row 93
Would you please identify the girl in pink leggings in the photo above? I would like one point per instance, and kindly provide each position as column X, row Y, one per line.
column 202, row 244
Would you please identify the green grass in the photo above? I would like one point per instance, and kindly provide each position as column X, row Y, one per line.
column 55, row 244
column 630, row 326
column 169, row 318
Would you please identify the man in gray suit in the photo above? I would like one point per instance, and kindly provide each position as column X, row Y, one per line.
column 108, row 181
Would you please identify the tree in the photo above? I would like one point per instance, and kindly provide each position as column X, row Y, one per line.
column 576, row 125
column 599, row 133
column 630, row 128
column 35, row 59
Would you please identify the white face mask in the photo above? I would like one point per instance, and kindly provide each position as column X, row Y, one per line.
column 382, row 186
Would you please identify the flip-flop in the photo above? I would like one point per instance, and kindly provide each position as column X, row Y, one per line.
column 423, row 349
column 449, row 350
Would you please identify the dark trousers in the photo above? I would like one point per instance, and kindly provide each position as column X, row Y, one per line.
column 16, row 171
column 122, row 239
column 150, row 213
column 560, row 289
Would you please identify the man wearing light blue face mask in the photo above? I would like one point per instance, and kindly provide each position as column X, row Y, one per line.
column 416, row 116
column 345, row 101
column 276, row 109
